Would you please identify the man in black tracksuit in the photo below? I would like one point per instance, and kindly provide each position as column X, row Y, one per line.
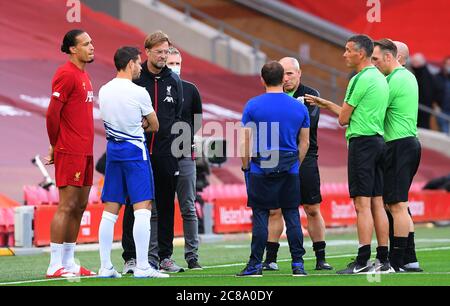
column 166, row 92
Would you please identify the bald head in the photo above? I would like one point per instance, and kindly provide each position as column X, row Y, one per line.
column 292, row 73
column 403, row 52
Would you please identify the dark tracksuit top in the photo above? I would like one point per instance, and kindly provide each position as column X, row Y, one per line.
column 314, row 114
column 166, row 92
column 192, row 105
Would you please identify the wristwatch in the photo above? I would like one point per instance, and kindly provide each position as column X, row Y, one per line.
column 245, row 169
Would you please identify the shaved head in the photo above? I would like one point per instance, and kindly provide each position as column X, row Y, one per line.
column 403, row 52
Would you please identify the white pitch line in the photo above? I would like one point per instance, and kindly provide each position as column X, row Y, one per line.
column 74, row 280
column 331, row 256
column 228, row 275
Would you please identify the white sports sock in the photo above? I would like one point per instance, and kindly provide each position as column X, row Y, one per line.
column 68, row 252
column 106, row 236
column 55, row 258
column 141, row 234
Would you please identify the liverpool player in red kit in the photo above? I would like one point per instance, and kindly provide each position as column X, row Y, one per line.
column 70, row 128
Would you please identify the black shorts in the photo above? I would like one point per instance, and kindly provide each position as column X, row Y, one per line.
column 402, row 160
column 310, row 182
column 365, row 166
column 272, row 192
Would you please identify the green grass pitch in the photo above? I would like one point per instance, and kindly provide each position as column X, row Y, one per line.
column 222, row 260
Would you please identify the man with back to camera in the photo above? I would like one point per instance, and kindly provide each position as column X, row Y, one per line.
column 309, row 177
column 271, row 165
column 403, row 152
column 364, row 110
column 128, row 172
column 70, row 128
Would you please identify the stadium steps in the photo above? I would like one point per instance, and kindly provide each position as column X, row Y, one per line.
column 196, row 37
column 288, row 41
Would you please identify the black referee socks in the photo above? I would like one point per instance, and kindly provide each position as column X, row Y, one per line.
column 272, row 251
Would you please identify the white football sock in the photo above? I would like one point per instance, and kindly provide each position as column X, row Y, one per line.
column 55, row 258
column 68, row 252
column 141, row 234
column 106, row 236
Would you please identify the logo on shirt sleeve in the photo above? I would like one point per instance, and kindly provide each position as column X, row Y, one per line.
column 56, row 94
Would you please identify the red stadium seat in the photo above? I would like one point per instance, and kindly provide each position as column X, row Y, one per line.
column 35, row 195
column 53, row 195
column 9, row 234
column 2, row 227
column 94, row 198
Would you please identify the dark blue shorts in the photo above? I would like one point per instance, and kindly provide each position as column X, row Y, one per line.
column 273, row 191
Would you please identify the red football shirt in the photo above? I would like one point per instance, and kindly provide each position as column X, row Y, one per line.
column 72, row 87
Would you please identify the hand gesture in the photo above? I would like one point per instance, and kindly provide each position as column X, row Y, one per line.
column 316, row 101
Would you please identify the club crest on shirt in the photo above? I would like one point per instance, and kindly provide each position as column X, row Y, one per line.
column 169, row 97
column 77, row 176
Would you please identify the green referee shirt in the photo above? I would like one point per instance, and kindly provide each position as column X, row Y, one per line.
column 368, row 93
column 401, row 115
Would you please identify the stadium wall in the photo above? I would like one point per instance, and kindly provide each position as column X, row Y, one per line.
column 192, row 36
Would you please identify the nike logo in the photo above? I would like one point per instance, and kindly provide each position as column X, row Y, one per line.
column 358, row 270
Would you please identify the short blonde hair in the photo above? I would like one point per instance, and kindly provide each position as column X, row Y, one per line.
column 156, row 38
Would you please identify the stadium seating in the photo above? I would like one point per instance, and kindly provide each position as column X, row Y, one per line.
column 35, row 195
column 6, row 226
column 2, row 228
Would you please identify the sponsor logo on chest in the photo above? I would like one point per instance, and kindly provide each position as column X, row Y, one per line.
column 89, row 93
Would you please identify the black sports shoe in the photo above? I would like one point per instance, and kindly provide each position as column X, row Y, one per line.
column 323, row 265
column 251, row 271
column 412, row 267
column 298, row 269
column 194, row 265
column 382, row 267
column 355, row 268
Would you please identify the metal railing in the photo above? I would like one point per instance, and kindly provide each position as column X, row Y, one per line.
column 189, row 11
column 435, row 113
